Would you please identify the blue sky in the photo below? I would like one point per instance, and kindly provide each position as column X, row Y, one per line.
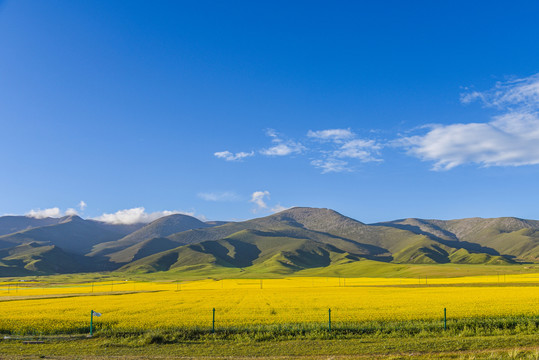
column 231, row 110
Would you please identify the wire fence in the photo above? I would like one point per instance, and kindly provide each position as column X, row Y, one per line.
column 321, row 304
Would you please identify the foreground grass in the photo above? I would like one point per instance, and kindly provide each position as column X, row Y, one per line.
column 445, row 347
column 479, row 338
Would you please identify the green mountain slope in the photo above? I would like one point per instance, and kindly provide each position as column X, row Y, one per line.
column 301, row 238
column 36, row 259
column 511, row 237
column 159, row 228
column 294, row 241
column 254, row 249
column 141, row 249
column 322, row 224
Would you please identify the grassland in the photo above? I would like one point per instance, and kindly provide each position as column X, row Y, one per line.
column 488, row 316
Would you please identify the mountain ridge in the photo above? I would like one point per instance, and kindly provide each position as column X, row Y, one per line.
column 295, row 240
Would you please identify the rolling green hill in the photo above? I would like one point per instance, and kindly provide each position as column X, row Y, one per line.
column 247, row 248
column 512, row 237
column 33, row 258
column 139, row 242
column 299, row 239
column 294, row 241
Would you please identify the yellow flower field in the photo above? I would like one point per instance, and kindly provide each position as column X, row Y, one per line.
column 40, row 308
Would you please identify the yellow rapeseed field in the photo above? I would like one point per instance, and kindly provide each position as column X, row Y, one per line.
column 129, row 306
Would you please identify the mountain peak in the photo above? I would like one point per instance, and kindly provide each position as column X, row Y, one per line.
column 70, row 218
column 308, row 212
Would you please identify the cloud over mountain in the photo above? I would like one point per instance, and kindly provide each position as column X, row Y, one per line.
column 135, row 215
column 45, row 213
column 258, row 198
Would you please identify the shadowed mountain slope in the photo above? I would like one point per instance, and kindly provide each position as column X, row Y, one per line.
column 252, row 249
column 33, row 258
column 301, row 238
column 512, row 237
column 71, row 233
column 295, row 240
column 322, row 225
column 139, row 239
column 13, row 224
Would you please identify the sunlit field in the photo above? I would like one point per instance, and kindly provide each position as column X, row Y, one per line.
column 38, row 308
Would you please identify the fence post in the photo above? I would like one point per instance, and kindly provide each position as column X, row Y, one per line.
column 213, row 322
column 329, row 320
column 445, row 319
column 91, row 322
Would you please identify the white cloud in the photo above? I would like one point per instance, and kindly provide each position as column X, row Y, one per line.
column 331, row 134
column 331, row 165
column 71, row 212
column 82, row 205
column 136, row 215
column 219, row 196
column 229, row 156
column 258, row 198
column 45, row 213
column 510, row 139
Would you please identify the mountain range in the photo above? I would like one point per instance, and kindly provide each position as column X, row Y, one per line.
column 287, row 242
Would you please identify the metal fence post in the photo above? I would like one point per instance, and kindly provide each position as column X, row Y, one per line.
column 329, row 319
column 213, row 322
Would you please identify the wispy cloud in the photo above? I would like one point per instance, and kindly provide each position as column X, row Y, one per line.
column 331, row 134
column 522, row 93
column 509, row 139
column 282, row 147
column 136, row 215
column 341, row 146
column 329, row 165
column 82, row 205
column 259, row 198
column 364, row 150
column 219, row 196
column 229, row 156
column 329, row 149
